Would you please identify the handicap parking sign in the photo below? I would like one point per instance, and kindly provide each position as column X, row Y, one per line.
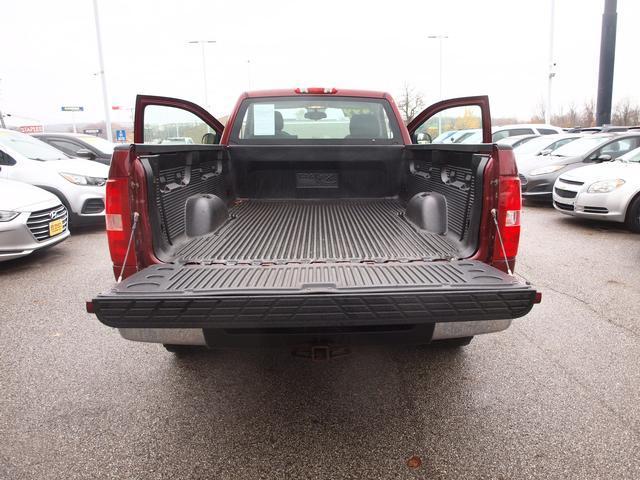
column 121, row 136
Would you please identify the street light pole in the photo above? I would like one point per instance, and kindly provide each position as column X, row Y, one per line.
column 552, row 65
column 1, row 114
column 105, row 97
column 204, row 68
column 607, row 62
column 440, row 38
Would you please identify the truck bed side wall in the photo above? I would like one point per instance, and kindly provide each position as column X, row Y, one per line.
column 330, row 172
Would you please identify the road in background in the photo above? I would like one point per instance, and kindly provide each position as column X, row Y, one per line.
column 555, row 396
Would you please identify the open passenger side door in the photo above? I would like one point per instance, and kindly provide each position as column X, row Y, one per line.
column 456, row 120
column 172, row 121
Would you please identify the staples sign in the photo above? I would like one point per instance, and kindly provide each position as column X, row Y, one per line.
column 30, row 129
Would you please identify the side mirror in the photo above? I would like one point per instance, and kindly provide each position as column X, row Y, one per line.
column 209, row 138
column 546, row 151
column 604, row 158
column 84, row 153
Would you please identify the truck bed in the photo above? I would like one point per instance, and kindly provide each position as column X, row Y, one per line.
column 303, row 231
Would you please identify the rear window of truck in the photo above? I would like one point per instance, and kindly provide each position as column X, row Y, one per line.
column 315, row 119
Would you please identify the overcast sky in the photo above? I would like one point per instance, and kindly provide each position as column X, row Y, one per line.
column 495, row 47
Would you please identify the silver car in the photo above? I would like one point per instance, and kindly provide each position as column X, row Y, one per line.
column 606, row 191
column 78, row 183
column 30, row 219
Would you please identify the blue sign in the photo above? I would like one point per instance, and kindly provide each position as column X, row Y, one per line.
column 121, row 136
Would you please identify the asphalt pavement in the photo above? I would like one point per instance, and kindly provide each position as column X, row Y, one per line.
column 555, row 396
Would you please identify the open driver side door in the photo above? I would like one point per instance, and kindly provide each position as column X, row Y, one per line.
column 166, row 120
column 456, row 120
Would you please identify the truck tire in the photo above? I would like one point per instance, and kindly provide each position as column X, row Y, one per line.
column 633, row 215
column 452, row 342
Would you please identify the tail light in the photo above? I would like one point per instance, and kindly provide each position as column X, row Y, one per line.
column 118, row 216
column 508, row 212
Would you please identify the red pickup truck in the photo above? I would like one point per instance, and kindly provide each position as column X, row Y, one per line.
column 314, row 217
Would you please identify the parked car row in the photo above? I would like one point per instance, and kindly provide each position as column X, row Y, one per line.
column 43, row 192
column 474, row 135
column 594, row 175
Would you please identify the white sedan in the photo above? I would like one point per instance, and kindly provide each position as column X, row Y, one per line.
column 78, row 183
column 30, row 219
column 606, row 191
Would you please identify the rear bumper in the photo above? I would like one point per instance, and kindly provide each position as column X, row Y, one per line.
column 221, row 338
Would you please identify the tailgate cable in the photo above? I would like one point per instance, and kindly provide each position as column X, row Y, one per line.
column 494, row 214
column 136, row 216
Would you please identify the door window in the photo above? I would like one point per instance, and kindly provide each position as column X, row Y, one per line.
column 6, row 159
column 70, row 148
column 173, row 126
column 546, row 131
column 560, row 143
column 520, row 131
column 452, row 125
column 500, row 135
column 617, row 148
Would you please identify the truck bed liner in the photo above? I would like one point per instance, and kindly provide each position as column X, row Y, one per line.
column 249, row 296
column 282, row 231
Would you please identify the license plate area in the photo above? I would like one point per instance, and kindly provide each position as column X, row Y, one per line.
column 56, row 227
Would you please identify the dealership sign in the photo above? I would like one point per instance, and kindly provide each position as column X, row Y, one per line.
column 31, row 129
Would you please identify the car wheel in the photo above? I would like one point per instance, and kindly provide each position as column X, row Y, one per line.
column 452, row 342
column 633, row 216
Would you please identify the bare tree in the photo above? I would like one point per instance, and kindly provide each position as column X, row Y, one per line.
column 410, row 102
column 572, row 117
column 625, row 113
column 588, row 114
column 539, row 113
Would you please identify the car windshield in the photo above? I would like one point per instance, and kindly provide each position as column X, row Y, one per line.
column 100, row 143
column 580, row 146
column 632, row 156
column 315, row 119
column 30, row 147
column 535, row 145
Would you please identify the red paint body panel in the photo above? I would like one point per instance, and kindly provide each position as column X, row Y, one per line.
column 123, row 165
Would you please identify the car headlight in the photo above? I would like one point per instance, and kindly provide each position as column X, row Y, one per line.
column 547, row 169
column 8, row 215
column 605, row 186
column 84, row 180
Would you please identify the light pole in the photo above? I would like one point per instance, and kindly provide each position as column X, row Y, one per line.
column 204, row 68
column 105, row 97
column 440, row 38
column 607, row 62
column 1, row 114
column 249, row 74
column 552, row 65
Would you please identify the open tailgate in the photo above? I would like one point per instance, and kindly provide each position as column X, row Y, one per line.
column 259, row 296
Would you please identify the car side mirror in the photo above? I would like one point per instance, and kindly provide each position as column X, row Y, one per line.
column 604, row 158
column 546, row 151
column 421, row 138
column 84, row 153
column 209, row 138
